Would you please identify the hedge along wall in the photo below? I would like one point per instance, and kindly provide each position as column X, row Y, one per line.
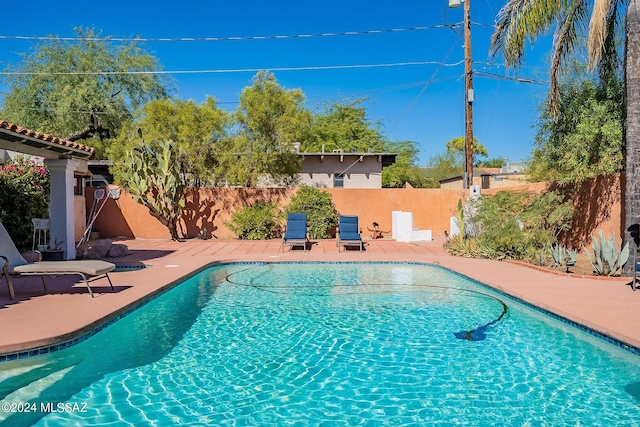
column 597, row 204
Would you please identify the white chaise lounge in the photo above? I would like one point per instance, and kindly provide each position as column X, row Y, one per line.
column 16, row 265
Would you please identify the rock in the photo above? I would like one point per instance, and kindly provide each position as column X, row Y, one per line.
column 95, row 249
column 118, row 250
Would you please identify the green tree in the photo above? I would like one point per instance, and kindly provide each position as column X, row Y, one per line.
column 519, row 22
column 495, row 162
column 153, row 178
column 194, row 128
column 269, row 120
column 54, row 90
column 405, row 169
column 451, row 163
column 345, row 126
column 442, row 166
column 457, row 145
column 587, row 137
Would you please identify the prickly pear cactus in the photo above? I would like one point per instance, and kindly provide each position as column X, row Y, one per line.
column 152, row 177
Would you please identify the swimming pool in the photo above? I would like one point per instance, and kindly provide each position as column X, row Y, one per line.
column 340, row 344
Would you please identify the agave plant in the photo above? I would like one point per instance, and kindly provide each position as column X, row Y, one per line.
column 558, row 254
column 606, row 258
column 562, row 256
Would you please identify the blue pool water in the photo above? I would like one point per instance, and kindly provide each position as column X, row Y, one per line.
column 330, row 344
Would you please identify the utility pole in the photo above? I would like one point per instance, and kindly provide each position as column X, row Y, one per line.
column 468, row 96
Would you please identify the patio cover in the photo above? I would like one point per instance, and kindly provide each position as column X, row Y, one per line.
column 62, row 158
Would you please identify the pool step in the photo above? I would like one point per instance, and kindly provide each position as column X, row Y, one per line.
column 27, row 372
column 10, row 377
column 31, row 391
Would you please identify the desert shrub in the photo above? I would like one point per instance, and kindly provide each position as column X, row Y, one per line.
column 24, row 194
column 515, row 225
column 319, row 207
column 256, row 222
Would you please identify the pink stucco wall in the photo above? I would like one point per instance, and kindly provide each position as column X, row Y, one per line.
column 597, row 203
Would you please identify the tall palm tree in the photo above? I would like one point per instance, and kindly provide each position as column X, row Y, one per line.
column 632, row 80
column 520, row 21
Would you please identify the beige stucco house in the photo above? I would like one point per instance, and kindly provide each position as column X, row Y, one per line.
column 344, row 170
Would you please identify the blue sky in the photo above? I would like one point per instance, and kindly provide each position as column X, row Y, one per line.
column 422, row 103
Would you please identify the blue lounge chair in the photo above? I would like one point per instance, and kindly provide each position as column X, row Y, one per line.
column 348, row 232
column 296, row 231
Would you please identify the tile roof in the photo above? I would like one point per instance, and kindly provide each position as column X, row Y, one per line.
column 49, row 141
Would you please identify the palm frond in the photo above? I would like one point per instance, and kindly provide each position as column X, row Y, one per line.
column 572, row 23
column 522, row 20
column 610, row 62
column 598, row 28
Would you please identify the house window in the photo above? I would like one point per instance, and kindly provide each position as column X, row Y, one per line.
column 338, row 180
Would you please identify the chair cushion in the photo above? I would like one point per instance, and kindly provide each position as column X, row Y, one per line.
column 296, row 227
column 350, row 236
column 89, row 267
column 348, row 227
column 295, row 235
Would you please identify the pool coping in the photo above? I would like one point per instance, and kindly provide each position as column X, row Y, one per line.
column 595, row 332
column 571, row 275
column 83, row 333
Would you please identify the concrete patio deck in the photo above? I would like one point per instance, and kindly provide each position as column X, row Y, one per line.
column 37, row 319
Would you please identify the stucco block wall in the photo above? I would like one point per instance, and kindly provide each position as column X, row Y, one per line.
column 431, row 208
column 210, row 207
column 597, row 203
column 205, row 208
column 504, row 181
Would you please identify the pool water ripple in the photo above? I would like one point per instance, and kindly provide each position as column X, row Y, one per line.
column 349, row 344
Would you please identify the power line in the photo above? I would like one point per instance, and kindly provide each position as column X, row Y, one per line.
column 234, row 38
column 413, row 103
column 318, row 99
column 502, row 65
column 514, row 79
column 375, row 91
column 241, row 70
column 480, row 24
column 372, row 91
